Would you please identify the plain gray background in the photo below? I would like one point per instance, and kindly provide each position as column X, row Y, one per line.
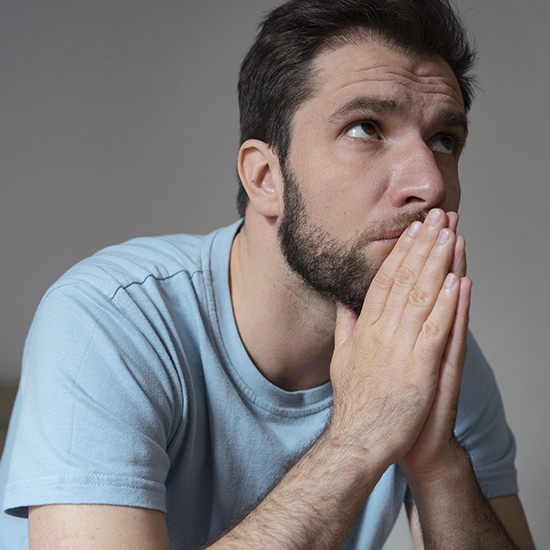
column 119, row 118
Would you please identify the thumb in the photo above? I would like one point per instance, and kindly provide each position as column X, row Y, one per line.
column 346, row 319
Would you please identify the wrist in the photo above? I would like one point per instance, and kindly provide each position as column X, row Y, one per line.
column 365, row 462
column 314, row 504
column 452, row 467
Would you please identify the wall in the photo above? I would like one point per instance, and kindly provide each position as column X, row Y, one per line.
column 119, row 118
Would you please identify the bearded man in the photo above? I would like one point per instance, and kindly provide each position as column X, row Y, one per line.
column 291, row 380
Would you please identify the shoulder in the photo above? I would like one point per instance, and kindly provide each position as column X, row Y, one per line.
column 138, row 291
column 134, row 261
column 143, row 259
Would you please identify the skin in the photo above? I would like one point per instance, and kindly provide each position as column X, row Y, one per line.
column 395, row 368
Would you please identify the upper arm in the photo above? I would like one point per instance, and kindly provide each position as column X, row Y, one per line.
column 96, row 527
column 100, row 405
column 509, row 510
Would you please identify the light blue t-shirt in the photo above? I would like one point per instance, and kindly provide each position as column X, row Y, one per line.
column 137, row 390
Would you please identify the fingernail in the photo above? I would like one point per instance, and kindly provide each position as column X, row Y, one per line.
column 414, row 228
column 451, row 280
column 444, row 236
column 433, row 217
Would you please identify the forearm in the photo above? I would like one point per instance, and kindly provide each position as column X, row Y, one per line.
column 313, row 506
column 453, row 512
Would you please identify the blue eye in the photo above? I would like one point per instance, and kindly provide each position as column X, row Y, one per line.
column 444, row 144
column 363, row 130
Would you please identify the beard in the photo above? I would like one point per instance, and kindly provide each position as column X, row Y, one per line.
column 339, row 270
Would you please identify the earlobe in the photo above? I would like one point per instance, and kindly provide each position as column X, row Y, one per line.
column 260, row 175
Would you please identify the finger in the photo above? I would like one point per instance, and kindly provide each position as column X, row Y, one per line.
column 456, row 345
column 434, row 335
column 453, row 220
column 458, row 267
column 418, row 280
column 346, row 319
column 428, row 290
column 450, row 377
column 375, row 300
column 441, row 418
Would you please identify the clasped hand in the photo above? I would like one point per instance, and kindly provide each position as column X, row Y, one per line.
column 396, row 369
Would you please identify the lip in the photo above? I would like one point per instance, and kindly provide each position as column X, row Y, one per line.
column 391, row 236
column 385, row 244
column 389, row 240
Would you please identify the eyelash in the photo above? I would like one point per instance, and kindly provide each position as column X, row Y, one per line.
column 456, row 139
column 360, row 123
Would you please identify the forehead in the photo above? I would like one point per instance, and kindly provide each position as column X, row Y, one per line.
column 370, row 68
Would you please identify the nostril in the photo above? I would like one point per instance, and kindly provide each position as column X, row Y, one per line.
column 413, row 198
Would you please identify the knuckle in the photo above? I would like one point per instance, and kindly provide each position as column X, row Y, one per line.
column 404, row 276
column 420, row 256
column 378, row 336
column 383, row 279
column 419, row 297
column 432, row 330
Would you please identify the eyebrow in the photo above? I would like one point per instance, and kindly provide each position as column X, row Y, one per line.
column 450, row 119
column 383, row 106
column 377, row 105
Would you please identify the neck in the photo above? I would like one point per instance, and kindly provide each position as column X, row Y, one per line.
column 287, row 329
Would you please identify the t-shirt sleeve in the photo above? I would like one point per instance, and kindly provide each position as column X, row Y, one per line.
column 101, row 403
column 482, row 428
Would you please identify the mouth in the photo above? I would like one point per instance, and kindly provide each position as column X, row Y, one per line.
column 390, row 236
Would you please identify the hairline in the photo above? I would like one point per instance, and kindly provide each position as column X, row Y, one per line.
column 350, row 36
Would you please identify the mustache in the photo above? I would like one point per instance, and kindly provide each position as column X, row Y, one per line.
column 392, row 226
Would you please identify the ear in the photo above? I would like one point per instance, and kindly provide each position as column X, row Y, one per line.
column 258, row 168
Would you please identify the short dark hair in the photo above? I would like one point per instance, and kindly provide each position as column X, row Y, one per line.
column 276, row 76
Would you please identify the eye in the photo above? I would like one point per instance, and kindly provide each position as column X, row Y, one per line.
column 363, row 130
column 444, row 144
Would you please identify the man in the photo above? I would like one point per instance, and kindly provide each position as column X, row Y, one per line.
column 289, row 381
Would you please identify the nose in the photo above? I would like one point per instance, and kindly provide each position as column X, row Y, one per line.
column 417, row 178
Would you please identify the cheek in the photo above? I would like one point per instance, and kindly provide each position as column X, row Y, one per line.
column 457, row 196
column 340, row 187
column 343, row 189
column 452, row 200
